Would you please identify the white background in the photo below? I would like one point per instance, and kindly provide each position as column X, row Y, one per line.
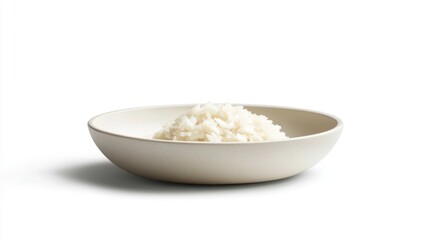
column 65, row 61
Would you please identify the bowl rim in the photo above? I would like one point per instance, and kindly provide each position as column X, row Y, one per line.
column 338, row 127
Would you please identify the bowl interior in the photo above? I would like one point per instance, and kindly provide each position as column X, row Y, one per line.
column 144, row 122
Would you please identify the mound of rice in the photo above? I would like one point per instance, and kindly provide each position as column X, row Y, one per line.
column 220, row 123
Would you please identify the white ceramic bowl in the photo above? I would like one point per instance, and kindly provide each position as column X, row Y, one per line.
column 125, row 138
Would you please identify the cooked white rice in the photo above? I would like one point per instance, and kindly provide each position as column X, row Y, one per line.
column 220, row 123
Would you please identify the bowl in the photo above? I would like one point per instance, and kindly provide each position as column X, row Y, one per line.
column 125, row 138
